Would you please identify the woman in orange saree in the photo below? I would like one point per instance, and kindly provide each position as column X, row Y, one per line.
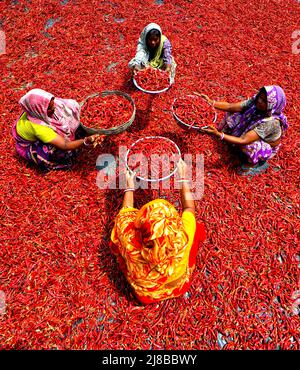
column 155, row 248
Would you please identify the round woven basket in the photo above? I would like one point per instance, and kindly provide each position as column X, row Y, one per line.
column 113, row 130
column 188, row 125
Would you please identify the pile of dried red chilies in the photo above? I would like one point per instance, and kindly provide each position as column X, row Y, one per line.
column 153, row 158
column 152, row 79
column 105, row 112
column 194, row 110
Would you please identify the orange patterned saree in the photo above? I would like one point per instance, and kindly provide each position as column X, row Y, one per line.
column 156, row 250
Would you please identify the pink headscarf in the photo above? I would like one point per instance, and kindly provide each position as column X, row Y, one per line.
column 65, row 119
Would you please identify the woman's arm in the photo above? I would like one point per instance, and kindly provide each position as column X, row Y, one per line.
column 141, row 57
column 187, row 199
column 228, row 107
column 223, row 105
column 135, row 69
column 63, row 144
column 128, row 200
column 248, row 138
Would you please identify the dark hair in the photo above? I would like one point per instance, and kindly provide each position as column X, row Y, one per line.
column 261, row 91
column 152, row 32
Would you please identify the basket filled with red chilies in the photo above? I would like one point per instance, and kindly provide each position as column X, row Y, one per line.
column 153, row 158
column 108, row 112
column 193, row 111
column 152, row 80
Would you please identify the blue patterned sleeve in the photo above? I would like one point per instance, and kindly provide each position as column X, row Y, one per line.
column 167, row 52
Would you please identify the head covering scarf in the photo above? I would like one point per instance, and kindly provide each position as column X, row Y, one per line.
column 154, row 247
column 65, row 119
column 142, row 56
column 163, row 236
column 240, row 123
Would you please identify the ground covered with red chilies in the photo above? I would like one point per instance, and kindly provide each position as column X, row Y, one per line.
column 62, row 286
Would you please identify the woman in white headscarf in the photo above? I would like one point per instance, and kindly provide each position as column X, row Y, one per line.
column 154, row 50
column 45, row 131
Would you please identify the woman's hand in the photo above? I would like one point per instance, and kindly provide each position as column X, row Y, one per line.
column 130, row 176
column 135, row 70
column 206, row 98
column 211, row 130
column 182, row 168
column 94, row 139
column 90, row 139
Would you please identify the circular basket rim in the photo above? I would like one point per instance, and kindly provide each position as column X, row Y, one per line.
column 151, row 91
column 152, row 137
column 115, row 129
column 186, row 124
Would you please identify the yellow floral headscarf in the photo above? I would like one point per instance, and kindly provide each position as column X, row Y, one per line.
column 162, row 232
column 154, row 246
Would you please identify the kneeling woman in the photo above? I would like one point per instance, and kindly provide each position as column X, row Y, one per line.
column 255, row 125
column 45, row 131
column 153, row 50
column 156, row 248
